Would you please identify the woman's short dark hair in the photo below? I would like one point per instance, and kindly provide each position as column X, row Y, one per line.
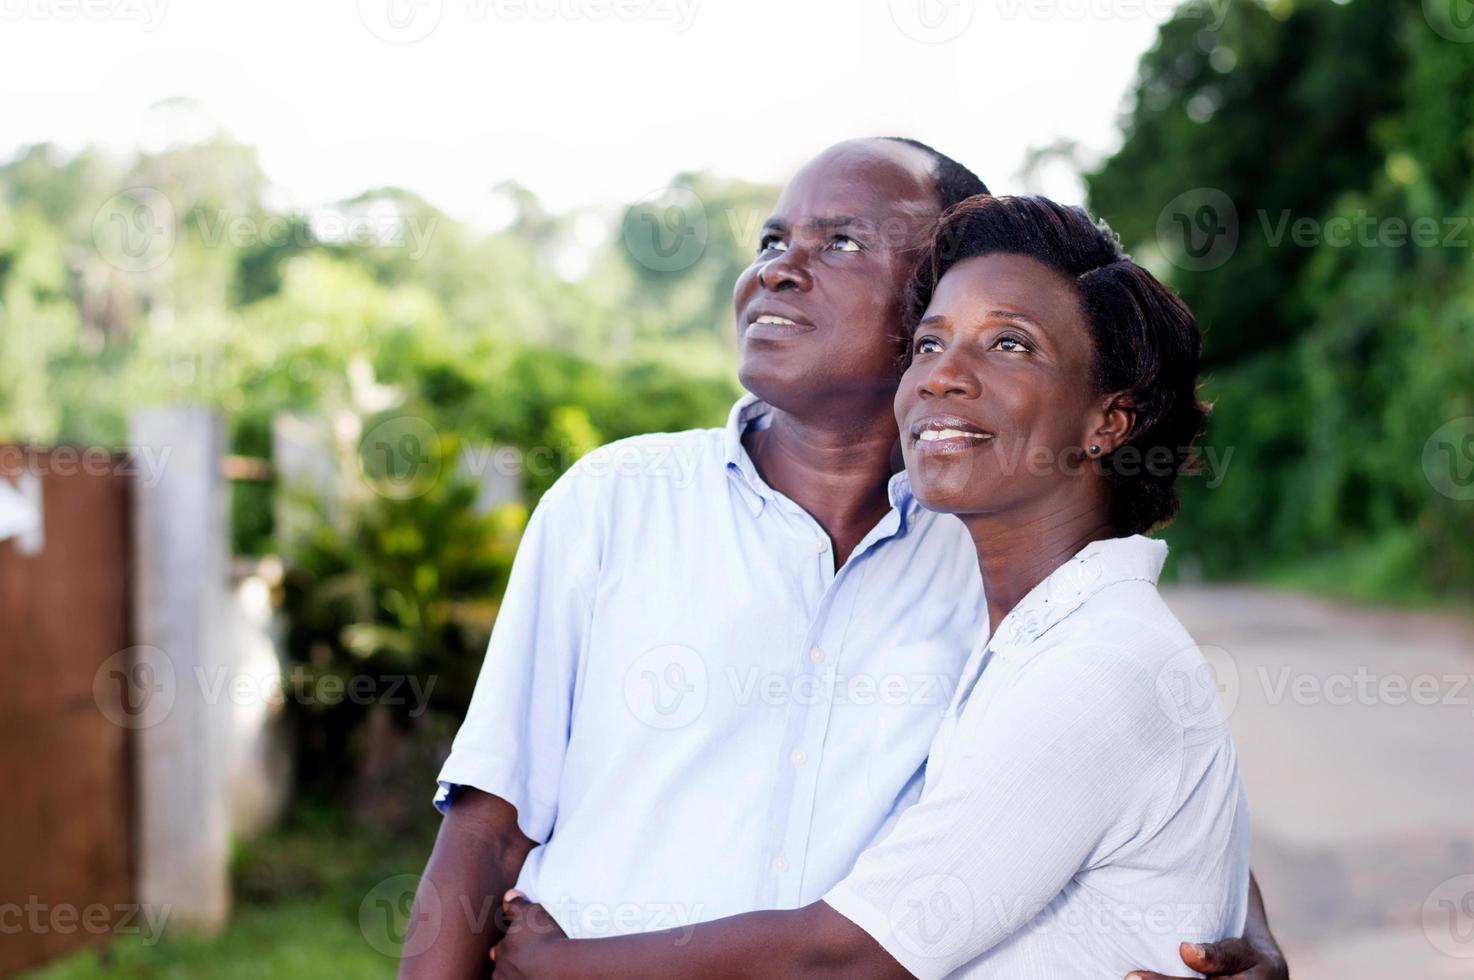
column 1147, row 342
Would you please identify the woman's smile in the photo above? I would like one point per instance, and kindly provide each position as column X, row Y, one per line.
column 945, row 435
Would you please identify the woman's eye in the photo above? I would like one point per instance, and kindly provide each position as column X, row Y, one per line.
column 926, row 345
column 1011, row 345
column 771, row 242
column 844, row 243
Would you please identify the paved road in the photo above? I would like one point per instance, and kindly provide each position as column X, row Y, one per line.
column 1355, row 730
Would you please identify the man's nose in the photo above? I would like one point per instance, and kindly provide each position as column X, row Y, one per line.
column 787, row 270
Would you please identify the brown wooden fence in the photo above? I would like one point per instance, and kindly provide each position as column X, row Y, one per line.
column 67, row 836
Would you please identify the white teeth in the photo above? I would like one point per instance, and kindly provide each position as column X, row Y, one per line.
column 936, row 435
column 769, row 318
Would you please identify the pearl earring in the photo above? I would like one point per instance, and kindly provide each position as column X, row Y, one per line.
column 1094, row 449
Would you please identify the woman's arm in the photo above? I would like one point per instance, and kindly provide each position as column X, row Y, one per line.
column 814, row 941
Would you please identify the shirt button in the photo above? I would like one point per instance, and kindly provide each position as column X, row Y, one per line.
column 816, row 655
column 797, row 757
column 780, row 865
column 821, row 545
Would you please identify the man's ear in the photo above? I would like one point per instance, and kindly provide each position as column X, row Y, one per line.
column 1114, row 423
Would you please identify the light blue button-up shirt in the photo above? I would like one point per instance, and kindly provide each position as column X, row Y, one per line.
column 693, row 712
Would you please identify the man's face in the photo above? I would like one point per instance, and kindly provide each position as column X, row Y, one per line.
column 819, row 310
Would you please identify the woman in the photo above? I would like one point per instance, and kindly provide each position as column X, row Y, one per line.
column 1049, row 403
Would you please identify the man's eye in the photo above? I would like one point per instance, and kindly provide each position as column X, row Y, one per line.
column 771, row 242
column 844, row 243
column 1011, row 345
column 926, row 345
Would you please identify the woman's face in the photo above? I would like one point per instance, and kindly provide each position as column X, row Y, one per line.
column 999, row 402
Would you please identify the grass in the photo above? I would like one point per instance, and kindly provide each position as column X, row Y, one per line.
column 311, row 902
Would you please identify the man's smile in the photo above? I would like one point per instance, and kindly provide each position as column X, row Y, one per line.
column 771, row 323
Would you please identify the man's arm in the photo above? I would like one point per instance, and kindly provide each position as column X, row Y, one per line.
column 1254, row 956
column 477, row 857
column 510, row 747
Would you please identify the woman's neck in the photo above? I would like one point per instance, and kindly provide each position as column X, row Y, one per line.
column 1018, row 551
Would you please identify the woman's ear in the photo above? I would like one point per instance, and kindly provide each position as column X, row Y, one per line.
column 1115, row 422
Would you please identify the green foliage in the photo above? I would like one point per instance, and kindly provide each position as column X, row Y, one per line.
column 1330, row 362
column 400, row 586
column 376, row 309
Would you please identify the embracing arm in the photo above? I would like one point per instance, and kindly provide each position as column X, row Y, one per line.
column 478, row 855
column 813, row 941
column 1261, row 940
column 1254, row 956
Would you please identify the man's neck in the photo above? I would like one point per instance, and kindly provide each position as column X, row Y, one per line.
column 835, row 468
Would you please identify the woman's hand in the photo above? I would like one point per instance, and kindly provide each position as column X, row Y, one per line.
column 530, row 949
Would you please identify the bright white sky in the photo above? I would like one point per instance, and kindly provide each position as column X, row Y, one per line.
column 576, row 99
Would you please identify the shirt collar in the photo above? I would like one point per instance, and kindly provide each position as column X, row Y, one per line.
column 902, row 500
column 1096, row 566
column 751, row 412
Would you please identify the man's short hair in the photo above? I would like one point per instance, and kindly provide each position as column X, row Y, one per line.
column 954, row 182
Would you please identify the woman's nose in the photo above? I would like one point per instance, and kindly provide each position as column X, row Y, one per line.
column 947, row 376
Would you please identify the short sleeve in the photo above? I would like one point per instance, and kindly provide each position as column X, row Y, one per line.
column 515, row 735
column 1068, row 764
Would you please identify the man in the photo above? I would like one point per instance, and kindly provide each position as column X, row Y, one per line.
column 723, row 654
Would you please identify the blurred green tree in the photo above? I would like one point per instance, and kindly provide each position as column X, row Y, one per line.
column 1335, row 351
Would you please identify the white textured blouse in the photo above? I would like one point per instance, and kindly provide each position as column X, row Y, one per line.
column 1082, row 812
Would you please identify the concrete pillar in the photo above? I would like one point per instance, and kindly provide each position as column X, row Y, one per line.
column 181, row 545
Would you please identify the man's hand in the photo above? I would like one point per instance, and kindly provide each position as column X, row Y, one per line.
column 1254, row 956
column 529, row 950
column 1234, row 958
